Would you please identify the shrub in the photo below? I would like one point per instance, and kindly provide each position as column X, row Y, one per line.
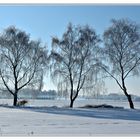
column 22, row 102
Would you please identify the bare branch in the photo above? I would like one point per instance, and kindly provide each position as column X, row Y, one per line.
column 6, row 83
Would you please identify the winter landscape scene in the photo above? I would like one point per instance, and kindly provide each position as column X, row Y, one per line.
column 69, row 70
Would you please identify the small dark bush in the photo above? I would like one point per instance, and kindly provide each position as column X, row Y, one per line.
column 101, row 106
column 22, row 102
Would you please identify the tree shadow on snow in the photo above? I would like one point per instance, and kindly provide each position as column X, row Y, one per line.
column 102, row 113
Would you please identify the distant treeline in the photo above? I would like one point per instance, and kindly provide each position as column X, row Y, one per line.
column 30, row 94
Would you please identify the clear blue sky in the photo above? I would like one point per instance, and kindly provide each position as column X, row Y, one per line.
column 44, row 21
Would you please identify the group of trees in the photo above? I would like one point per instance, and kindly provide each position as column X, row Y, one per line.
column 77, row 61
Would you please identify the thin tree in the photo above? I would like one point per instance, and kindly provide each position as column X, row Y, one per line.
column 21, row 60
column 74, row 57
column 122, row 45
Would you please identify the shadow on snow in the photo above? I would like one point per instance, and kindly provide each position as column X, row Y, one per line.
column 122, row 114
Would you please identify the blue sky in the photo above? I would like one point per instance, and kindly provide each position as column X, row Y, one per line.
column 44, row 21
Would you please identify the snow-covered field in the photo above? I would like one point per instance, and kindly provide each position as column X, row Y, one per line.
column 79, row 102
column 43, row 118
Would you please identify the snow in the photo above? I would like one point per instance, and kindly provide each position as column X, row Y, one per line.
column 79, row 102
column 50, row 120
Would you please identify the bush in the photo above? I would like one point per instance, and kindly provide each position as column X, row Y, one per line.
column 22, row 102
column 102, row 106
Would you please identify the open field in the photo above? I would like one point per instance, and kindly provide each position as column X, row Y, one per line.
column 41, row 120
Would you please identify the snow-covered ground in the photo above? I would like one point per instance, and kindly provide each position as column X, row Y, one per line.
column 79, row 102
column 62, row 121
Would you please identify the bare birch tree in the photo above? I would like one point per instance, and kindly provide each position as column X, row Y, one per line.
column 74, row 57
column 122, row 49
column 21, row 60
